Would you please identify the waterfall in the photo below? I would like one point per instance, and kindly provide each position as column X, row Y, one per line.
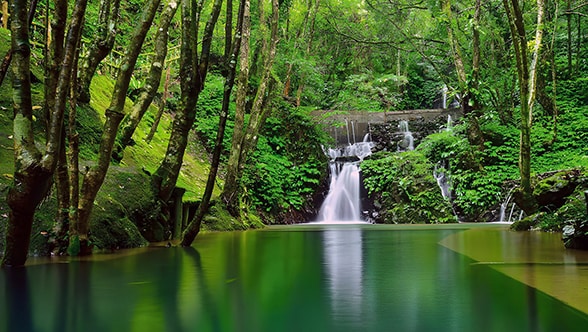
column 443, row 181
column 449, row 123
column 509, row 215
column 343, row 202
column 444, row 92
column 407, row 142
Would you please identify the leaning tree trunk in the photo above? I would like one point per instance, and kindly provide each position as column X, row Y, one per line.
column 193, row 75
column 94, row 178
column 100, row 48
column 258, row 111
column 33, row 171
column 193, row 227
column 149, row 90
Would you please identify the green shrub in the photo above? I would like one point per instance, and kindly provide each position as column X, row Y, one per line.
column 404, row 185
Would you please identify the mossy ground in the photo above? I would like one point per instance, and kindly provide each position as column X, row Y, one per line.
column 124, row 202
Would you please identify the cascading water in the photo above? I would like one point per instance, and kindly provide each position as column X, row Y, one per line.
column 444, row 94
column 509, row 215
column 407, row 142
column 441, row 175
column 343, row 202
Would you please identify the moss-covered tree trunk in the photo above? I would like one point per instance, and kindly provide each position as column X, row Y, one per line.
column 193, row 70
column 100, row 47
column 245, row 142
column 33, row 170
column 8, row 57
column 231, row 186
column 149, row 90
column 231, row 53
column 94, row 178
column 161, row 108
column 527, row 75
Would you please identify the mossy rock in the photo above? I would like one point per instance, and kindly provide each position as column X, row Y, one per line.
column 527, row 223
column 551, row 192
column 115, row 233
column 127, row 192
column 219, row 219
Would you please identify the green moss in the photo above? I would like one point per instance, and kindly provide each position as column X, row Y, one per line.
column 219, row 219
column 557, row 181
column 125, row 197
column 527, row 223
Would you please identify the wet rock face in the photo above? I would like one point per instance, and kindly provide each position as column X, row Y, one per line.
column 387, row 136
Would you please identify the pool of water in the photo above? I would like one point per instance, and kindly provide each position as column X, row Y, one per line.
column 312, row 278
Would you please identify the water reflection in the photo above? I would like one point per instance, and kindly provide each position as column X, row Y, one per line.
column 327, row 278
column 344, row 267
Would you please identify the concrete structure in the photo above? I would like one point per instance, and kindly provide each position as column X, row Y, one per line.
column 348, row 127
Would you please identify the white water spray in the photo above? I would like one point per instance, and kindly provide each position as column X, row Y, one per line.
column 407, row 142
column 343, row 202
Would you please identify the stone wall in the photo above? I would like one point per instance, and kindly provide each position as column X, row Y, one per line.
column 350, row 127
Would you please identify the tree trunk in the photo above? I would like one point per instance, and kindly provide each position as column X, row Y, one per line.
column 469, row 102
column 161, row 107
column 8, row 57
column 193, row 227
column 24, row 195
column 100, row 48
column 33, row 171
column 231, row 186
column 248, row 140
column 94, row 178
column 569, row 40
column 5, row 14
column 312, row 10
column 149, row 90
column 527, row 85
column 193, row 75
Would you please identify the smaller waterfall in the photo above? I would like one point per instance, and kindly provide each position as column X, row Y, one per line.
column 407, row 142
column 509, row 209
column 440, row 174
column 444, row 93
column 449, row 123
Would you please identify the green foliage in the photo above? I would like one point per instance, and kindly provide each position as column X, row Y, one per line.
column 405, row 185
column 74, row 246
column 208, row 113
column 575, row 223
column 365, row 92
column 422, row 88
column 288, row 164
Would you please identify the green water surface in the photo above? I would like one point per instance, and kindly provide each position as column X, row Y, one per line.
column 306, row 278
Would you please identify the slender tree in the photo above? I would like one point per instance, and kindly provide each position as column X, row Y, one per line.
column 231, row 186
column 527, row 74
column 245, row 140
column 468, row 88
column 8, row 57
column 100, row 47
column 193, row 70
column 34, row 169
column 93, row 179
column 162, row 106
column 231, row 54
column 149, row 90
